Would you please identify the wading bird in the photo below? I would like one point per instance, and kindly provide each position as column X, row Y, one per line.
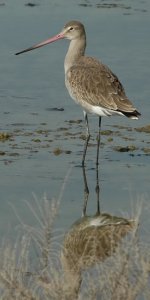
column 89, row 82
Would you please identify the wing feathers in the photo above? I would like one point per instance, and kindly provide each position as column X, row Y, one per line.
column 91, row 81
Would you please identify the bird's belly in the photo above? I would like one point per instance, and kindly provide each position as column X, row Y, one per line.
column 103, row 112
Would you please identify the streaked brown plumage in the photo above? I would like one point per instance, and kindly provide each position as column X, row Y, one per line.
column 89, row 82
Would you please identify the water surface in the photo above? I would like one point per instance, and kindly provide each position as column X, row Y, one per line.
column 41, row 119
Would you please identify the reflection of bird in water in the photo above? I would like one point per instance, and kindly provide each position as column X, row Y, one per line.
column 93, row 238
column 90, row 240
column 89, row 82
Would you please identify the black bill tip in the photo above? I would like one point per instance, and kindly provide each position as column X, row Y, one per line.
column 23, row 51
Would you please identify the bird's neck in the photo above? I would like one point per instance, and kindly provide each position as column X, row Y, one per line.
column 75, row 52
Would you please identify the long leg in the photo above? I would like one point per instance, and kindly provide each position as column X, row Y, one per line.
column 98, row 139
column 86, row 192
column 97, row 189
column 87, row 137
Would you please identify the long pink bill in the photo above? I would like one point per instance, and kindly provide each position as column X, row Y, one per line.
column 51, row 40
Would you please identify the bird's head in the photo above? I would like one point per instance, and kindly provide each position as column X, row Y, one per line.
column 73, row 30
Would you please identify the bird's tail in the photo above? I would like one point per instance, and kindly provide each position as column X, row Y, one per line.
column 132, row 115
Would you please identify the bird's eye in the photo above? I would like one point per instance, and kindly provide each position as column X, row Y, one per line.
column 71, row 28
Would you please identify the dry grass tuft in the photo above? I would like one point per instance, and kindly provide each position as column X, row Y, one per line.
column 32, row 267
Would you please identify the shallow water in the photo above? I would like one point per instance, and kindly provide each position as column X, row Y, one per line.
column 41, row 119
